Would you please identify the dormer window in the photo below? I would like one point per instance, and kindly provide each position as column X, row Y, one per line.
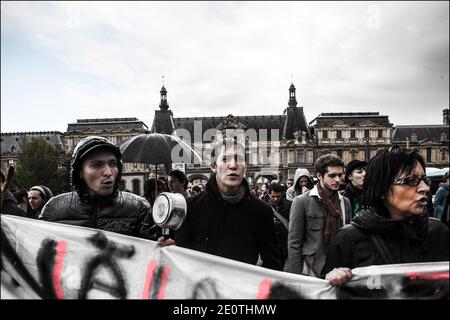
column 413, row 137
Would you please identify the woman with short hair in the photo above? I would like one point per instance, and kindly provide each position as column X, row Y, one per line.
column 393, row 225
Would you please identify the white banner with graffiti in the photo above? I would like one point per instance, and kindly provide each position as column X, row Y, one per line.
column 56, row 261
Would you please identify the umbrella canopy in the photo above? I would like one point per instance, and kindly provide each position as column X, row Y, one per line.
column 157, row 148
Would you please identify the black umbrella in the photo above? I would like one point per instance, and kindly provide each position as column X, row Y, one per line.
column 157, row 148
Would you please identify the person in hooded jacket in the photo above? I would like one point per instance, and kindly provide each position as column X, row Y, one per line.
column 355, row 172
column 96, row 202
column 302, row 183
column 225, row 219
column 393, row 225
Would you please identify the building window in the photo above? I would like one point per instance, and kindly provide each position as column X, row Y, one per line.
column 338, row 134
column 443, row 136
column 325, row 134
column 429, row 154
column 366, row 133
column 414, row 137
column 380, row 133
column 339, row 153
column 300, row 156
column 352, row 133
column 136, row 186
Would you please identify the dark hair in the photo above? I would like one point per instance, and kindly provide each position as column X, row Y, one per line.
column 196, row 189
column 227, row 142
column 149, row 185
column 329, row 160
column 275, row 187
column 180, row 176
column 383, row 168
column 19, row 194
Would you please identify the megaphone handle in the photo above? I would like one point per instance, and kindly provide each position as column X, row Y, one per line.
column 165, row 233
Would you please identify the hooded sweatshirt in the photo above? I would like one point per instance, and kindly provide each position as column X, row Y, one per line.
column 295, row 190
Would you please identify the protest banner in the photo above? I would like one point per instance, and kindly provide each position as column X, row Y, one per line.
column 57, row 261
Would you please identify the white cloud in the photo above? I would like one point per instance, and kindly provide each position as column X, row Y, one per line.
column 225, row 57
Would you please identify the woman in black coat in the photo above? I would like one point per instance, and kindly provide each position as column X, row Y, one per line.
column 393, row 226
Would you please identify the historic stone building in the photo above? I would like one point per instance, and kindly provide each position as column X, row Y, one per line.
column 276, row 144
column 431, row 140
column 265, row 137
column 353, row 135
column 11, row 144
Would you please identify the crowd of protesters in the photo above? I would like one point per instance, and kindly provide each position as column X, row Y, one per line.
column 321, row 225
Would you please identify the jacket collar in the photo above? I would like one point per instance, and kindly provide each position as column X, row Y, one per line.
column 314, row 192
column 213, row 189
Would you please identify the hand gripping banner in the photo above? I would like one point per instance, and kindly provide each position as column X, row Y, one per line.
column 57, row 261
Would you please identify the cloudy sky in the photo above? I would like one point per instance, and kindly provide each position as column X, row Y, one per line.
column 66, row 61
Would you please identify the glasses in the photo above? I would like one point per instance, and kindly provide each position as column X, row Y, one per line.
column 412, row 181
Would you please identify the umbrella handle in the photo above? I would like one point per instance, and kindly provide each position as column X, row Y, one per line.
column 156, row 180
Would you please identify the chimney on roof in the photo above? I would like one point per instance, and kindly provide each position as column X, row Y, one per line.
column 445, row 116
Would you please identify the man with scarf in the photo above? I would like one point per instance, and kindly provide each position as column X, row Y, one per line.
column 225, row 220
column 315, row 216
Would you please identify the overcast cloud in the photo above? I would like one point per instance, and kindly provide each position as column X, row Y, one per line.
column 67, row 61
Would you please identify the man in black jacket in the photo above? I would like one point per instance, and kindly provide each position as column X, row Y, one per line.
column 226, row 220
column 280, row 207
column 96, row 202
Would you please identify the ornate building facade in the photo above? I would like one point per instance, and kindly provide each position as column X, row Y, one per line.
column 276, row 144
column 265, row 138
column 431, row 140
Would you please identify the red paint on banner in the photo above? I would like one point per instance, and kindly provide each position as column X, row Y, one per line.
column 264, row 289
column 428, row 276
column 61, row 249
column 148, row 279
column 164, row 276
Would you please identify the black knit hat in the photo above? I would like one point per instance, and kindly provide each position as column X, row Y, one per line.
column 352, row 165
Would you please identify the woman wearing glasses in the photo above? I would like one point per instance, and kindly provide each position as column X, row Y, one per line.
column 394, row 225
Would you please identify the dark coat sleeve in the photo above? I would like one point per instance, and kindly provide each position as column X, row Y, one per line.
column 146, row 227
column 268, row 249
column 339, row 252
column 183, row 234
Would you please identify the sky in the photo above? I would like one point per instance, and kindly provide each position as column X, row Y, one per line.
column 63, row 61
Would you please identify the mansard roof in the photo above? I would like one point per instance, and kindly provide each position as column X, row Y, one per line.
column 351, row 119
column 107, row 124
column 269, row 122
column 403, row 132
column 12, row 142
